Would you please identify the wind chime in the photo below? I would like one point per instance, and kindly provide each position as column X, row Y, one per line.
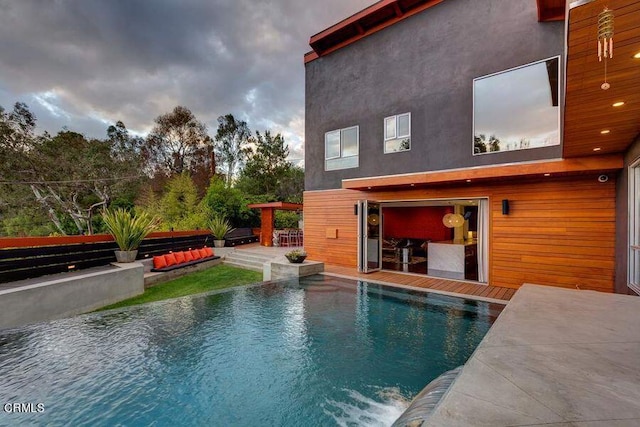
column 605, row 41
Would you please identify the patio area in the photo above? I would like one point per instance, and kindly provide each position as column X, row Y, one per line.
column 555, row 357
column 457, row 288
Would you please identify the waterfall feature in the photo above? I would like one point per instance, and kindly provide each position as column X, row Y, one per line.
column 425, row 402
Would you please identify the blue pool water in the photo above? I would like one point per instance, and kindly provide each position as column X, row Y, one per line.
column 326, row 351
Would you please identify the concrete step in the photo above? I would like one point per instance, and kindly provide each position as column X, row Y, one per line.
column 248, row 256
column 252, row 262
column 257, row 253
column 243, row 265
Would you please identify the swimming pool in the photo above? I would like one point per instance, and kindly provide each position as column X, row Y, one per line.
column 326, row 351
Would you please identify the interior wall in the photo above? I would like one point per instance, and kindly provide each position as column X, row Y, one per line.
column 423, row 223
column 559, row 231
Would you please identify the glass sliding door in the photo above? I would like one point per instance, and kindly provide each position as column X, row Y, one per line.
column 634, row 227
column 369, row 226
column 445, row 238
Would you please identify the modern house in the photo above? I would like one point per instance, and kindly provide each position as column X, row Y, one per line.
column 472, row 139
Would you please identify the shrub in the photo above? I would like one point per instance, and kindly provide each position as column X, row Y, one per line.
column 219, row 226
column 128, row 230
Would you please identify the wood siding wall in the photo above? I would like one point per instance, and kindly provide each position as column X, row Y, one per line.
column 559, row 232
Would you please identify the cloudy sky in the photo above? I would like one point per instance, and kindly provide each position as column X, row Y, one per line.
column 85, row 64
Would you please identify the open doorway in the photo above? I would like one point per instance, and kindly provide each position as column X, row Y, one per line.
column 438, row 238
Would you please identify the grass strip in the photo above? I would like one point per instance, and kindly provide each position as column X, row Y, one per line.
column 216, row 277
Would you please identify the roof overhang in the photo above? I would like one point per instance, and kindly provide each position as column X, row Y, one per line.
column 588, row 108
column 387, row 12
column 282, row 206
column 364, row 23
column 551, row 10
column 535, row 169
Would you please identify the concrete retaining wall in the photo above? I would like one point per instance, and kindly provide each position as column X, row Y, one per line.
column 67, row 296
column 284, row 270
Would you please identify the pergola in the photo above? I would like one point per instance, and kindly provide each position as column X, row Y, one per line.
column 267, row 218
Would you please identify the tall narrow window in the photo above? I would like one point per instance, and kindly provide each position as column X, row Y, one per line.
column 634, row 227
column 341, row 148
column 397, row 133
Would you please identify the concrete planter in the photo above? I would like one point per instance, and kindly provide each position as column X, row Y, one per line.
column 126, row 256
column 296, row 259
column 218, row 243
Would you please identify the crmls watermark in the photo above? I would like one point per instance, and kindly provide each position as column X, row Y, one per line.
column 29, row 408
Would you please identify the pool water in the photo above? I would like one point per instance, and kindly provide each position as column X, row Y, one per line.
column 326, row 351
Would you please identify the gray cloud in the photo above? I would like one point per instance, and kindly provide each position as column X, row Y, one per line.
column 85, row 64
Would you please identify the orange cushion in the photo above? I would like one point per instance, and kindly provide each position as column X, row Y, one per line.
column 179, row 257
column 196, row 254
column 209, row 251
column 203, row 253
column 187, row 256
column 159, row 262
column 171, row 259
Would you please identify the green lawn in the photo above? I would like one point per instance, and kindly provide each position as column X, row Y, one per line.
column 217, row 277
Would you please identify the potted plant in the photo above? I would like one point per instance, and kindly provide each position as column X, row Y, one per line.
column 296, row 256
column 219, row 227
column 128, row 231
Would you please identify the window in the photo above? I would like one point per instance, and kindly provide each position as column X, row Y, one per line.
column 397, row 133
column 341, row 148
column 634, row 227
column 517, row 109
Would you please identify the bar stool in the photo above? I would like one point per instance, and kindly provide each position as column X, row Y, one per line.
column 285, row 239
column 293, row 238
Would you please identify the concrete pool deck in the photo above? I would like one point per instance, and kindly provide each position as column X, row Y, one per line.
column 555, row 357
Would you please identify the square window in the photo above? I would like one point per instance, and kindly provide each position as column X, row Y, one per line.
column 397, row 133
column 341, row 148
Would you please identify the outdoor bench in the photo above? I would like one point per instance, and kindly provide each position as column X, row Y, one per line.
column 175, row 260
column 240, row 236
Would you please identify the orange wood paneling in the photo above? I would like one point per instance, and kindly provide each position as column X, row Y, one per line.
column 266, row 222
column 559, row 232
column 588, row 108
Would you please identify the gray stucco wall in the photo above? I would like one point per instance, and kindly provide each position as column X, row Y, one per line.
column 622, row 219
column 425, row 65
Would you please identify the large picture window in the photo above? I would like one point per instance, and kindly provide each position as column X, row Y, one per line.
column 517, row 109
column 341, row 148
column 397, row 133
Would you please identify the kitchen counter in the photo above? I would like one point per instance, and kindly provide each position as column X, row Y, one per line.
column 453, row 259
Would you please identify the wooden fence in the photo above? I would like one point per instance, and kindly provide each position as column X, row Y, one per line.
column 37, row 256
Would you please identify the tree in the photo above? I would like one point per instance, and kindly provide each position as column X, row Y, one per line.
column 124, row 146
column 16, row 138
column 291, row 185
column 268, row 172
column 479, row 144
column 231, row 203
column 494, row 143
column 178, row 142
column 266, row 165
column 179, row 206
column 232, row 139
column 66, row 176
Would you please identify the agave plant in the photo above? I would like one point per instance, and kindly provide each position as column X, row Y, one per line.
column 219, row 226
column 128, row 230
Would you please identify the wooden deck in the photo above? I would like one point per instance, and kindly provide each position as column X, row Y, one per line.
column 446, row 286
